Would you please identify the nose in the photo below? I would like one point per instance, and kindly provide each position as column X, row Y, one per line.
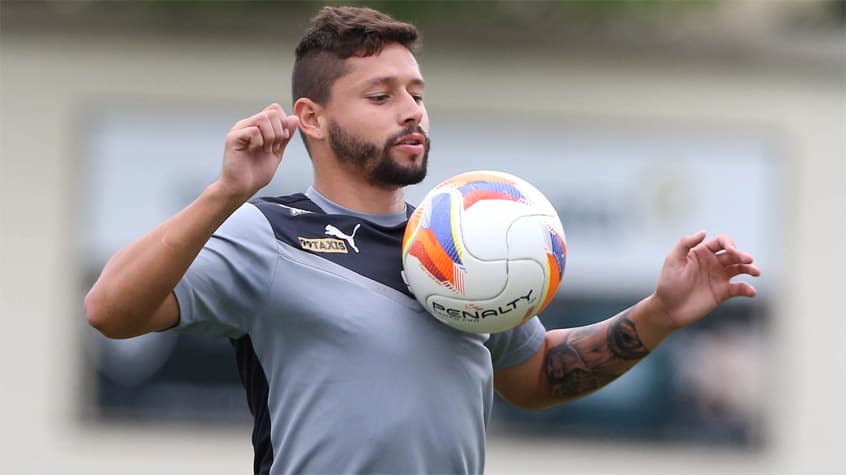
column 412, row 111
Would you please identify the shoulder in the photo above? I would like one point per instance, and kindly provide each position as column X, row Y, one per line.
column 289, row 216
column 248, row 222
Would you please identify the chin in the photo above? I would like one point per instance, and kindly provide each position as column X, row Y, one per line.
column 399, row 175
column 416, row 165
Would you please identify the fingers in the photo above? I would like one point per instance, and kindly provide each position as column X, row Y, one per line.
column 292, row 124
column 734, row 263
column 265, row 123
column 719, row 243
column 726, row 251
column 738, row 269
column 727, row 258
column 741, row 289
column 275, row 107
column 283, row 125
column 277, row 119
column 246, row 138
column 685, row 244
column 273, row 126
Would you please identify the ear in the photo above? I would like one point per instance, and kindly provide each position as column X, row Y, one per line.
column 310, row 114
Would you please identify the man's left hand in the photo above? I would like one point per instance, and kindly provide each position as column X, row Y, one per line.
column 696, row 278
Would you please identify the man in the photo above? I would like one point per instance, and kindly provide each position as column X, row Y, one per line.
column 344, row 371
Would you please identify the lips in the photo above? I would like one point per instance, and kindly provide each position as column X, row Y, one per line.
column 413, row 144
column 411, row 139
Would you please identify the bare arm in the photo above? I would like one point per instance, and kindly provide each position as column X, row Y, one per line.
column 574, row 362
column 134, row 293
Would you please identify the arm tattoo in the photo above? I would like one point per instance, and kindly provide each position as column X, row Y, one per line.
column 623, row 340
column 593, row 356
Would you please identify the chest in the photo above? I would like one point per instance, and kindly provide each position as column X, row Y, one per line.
column 338, row 295
column 330, row 315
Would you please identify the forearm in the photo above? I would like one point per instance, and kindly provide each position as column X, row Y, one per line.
column 695, row 279
column 578, row 361
column 137, row 279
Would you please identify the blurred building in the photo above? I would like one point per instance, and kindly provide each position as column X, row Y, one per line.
column 642, row 121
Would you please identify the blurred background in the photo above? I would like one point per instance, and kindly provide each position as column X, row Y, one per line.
column 642, row 121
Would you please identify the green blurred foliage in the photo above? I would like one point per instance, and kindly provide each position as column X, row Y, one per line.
column 454, row 11
column 433, row 10
column 486, row 22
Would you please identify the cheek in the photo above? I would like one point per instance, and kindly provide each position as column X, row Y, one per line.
column 362, row 130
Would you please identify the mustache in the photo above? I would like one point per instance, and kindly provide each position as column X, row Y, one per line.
column 408, row 130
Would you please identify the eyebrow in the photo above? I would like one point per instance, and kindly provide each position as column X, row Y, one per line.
column 390, row 80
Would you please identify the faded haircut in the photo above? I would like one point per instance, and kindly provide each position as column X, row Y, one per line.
column 338, row 33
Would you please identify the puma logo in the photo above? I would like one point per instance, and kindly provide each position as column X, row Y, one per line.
column 335, row 232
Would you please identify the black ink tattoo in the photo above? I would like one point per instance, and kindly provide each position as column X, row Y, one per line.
column 593, row 356
column 624, row 341
column 568, row 374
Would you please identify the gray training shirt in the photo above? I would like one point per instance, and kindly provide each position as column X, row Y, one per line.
column 344, row 371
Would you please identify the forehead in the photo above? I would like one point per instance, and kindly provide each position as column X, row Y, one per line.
column 393, row 63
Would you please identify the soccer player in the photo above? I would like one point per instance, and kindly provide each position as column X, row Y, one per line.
column 344, row 371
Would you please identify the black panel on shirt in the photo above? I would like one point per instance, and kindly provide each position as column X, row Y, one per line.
column 255, row 383
column 299, row 222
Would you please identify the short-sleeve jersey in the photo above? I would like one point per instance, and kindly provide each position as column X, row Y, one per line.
column 344, row 370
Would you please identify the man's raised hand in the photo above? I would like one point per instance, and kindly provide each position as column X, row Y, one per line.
column 254, row 148
column 697, row 277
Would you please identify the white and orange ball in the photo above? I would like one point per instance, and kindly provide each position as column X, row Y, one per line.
column 484, row 252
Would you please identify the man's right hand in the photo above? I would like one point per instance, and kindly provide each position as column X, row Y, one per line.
column 134, row 294
column 253, row 150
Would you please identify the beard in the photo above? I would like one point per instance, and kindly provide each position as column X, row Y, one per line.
column 377, row 163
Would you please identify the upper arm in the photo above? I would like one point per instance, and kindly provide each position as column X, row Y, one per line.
column 229, row 281
column 524, row 385
column 517, row 357
column 114, row 324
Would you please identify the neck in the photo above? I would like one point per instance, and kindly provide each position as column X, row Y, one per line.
column 359, row 195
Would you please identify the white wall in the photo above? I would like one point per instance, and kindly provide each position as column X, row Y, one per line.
column 50, row 84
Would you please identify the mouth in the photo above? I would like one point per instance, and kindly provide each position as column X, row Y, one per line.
column 411, row 139
column 411, row 143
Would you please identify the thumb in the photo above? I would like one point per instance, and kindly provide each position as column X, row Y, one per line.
column 685, row 244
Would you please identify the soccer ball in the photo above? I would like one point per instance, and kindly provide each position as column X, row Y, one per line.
column 484, row 252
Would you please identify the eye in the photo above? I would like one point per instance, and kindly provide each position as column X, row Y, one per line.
column 418, row 98
column 378, row 98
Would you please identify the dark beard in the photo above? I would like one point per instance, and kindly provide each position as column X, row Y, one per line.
column 381, row 169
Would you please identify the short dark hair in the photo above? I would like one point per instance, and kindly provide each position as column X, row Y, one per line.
column 336, row 34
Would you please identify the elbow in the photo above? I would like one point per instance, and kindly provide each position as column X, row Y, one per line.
column 99, row 315
column 95, row 312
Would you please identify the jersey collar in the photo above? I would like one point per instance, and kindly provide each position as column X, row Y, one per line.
column 330, row 207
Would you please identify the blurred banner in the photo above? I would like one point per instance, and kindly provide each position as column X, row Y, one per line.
column 625, row 198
